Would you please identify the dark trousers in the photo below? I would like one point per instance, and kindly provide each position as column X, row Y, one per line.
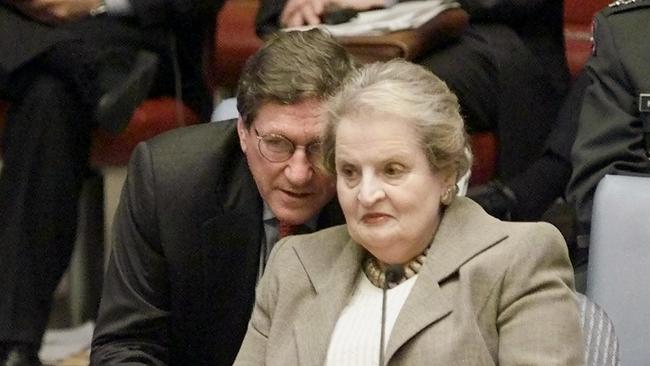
column 45, row 153
column 501, row 87
column 45, row 149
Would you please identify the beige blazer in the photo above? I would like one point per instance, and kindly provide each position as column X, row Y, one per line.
column 490, row 293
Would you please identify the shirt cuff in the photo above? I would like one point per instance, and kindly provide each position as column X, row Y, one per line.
column 390, row 3
column 119, row 7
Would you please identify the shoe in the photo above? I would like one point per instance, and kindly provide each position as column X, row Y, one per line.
column 19, row 354
column 496, row 199
column 126, row 85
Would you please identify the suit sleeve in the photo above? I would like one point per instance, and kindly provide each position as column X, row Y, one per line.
column 497, row 11
column 538, row 319
column 610, row 136
column 133, row 321
column 174, row 13
column 268, row 15
column 254, row 347
column 267, row 20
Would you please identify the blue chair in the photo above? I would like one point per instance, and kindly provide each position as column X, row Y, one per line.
column 619, row 261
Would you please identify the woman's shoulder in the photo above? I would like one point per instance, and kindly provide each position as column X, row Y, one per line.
column 508, row 240
column 320, row 246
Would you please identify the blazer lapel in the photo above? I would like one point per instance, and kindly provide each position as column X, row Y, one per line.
column 230, row 252
column 464, row 232
column 333, row 287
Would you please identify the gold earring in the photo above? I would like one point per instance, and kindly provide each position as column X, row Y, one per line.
column 448, row 197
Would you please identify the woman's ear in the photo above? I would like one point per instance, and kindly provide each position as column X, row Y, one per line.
column 451, row 177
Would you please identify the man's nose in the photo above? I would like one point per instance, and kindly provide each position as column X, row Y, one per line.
column 299, row 170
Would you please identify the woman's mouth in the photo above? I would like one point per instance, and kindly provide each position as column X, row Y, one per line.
column 374, row 218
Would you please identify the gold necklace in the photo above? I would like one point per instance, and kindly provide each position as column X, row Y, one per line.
column 377, row 276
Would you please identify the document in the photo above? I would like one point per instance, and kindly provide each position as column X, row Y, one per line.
column 402, row 16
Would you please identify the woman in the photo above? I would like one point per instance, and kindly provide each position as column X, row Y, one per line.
column 470, row 289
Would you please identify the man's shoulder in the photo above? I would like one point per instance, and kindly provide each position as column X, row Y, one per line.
column 211, row 136
column 204, row 152
column 311, row 245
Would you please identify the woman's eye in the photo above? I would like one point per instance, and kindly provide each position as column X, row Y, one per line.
column 347, row 172
column 393, row 170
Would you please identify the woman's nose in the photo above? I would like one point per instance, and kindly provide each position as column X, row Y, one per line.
column 370, row 190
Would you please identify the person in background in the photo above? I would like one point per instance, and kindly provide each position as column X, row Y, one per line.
column 67, row 67
column 512, row 80
column 613, row 128
column 203, row 206
column 450, row 284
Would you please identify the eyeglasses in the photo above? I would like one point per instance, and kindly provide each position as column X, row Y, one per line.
column 277, row 148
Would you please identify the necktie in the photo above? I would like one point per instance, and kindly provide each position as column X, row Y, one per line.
column 286, row 229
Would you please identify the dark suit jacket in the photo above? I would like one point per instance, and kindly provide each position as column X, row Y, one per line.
column 154, row 23
column 610, row 128
column 180, row 284
column 537, row 22
column 489, row 293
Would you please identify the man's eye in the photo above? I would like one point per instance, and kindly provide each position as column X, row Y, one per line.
column 277, row 143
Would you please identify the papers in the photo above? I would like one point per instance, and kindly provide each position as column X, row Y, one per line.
column 402, row 16
column 59, row 344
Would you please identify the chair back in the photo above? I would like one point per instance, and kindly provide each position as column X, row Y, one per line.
column 601, row 343
column 619, row 261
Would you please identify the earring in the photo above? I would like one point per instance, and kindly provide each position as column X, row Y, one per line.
column 448, row 197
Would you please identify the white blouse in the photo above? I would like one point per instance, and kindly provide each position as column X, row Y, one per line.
column 356, row 336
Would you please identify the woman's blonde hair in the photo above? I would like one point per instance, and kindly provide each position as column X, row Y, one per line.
column 409, row 92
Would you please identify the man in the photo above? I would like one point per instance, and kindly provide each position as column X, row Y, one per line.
column 614, row 124
column 67, row 66
column 203, row 206
column 512, row 80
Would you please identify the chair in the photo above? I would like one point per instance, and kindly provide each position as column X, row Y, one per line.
column 578, row 15
column 619, row 261
column 601, row 343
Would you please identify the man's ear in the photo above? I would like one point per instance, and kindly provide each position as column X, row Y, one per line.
column 242, row 132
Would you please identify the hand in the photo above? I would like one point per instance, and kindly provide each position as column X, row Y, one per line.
column 308, row 12
column 302, row 12
column 55, row 11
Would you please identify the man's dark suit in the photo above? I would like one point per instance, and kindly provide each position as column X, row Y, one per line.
column 508, row 70
column 186, row 252
column 610, row 128
column 46, row 140
column 158, row 26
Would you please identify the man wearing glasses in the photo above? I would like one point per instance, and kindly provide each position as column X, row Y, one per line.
column 198, row 218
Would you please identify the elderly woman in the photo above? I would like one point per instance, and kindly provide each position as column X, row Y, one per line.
column 464, row 287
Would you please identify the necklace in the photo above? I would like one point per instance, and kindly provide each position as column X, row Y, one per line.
column 377, row 276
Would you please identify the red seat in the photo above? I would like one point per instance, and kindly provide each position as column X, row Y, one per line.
column 235, row 41
column 152, row 117
column 578, row 16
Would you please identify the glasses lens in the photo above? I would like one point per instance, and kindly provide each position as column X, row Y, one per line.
column 276, row 148
column 314, row 150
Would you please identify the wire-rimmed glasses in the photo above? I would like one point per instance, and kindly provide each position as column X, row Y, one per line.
column 277, row 148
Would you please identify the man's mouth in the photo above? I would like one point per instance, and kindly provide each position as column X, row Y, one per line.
column 295, row 194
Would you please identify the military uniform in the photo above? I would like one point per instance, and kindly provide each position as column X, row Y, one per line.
column 610, row 136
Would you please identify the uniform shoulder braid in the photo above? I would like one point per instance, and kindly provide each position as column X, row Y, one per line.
column 625, row 5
